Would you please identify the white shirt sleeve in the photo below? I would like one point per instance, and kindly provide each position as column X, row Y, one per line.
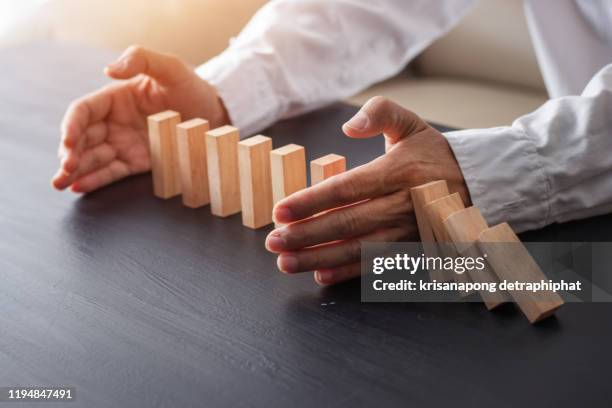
column 552, row 165
column 297, row 55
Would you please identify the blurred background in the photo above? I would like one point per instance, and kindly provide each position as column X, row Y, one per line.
column 483, row 73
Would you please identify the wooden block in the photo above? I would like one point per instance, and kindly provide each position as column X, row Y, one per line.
column 421, row 196
column 164, row 153
column 288, row 164
column 191, row 141
column 325, row 167
column 511, row 261
column 255, row 181
column 437, row 211
column 463, row 228
column 223, row 173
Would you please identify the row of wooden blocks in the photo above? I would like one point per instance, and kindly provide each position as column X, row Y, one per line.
column 214, row 166
column 442, row 218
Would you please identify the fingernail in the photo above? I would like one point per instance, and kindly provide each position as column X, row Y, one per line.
column 359, row 121
column 275, row 242
column 117, row 65
column 287, row 263
column 283, row 214
column 323, row 277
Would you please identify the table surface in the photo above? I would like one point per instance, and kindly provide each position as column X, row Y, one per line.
column 137, row 301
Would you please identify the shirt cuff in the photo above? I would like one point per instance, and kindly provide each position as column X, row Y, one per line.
column 505, row 176
column 243, row 86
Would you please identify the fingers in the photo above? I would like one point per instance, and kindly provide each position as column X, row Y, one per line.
column 135, row 60
column 339, row 253
column 82, row 114
column 91, row 160
column 358, row 184
column 336, row 275
column 342, row 223
column 380, row 115
column 115, row 171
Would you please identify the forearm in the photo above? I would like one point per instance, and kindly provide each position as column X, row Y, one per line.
column 552, row 165
column 295, row 56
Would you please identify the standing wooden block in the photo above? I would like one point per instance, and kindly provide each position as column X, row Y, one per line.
column 288, row 164
column 223, row 175
column 164, row 153
column 191, row 140
column 325, row 167
column 438, row 211
column 255, row 181
column 512, row 262
column 463, row 228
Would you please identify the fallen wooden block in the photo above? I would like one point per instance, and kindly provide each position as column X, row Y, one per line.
column 464, row 227
column 191, row 141
column 223, row 173
column 288, row 164
column 438, row 211
column 255, row 181
column 325, row 167
column 421, row 196
column 512, row 262
column 164, row 153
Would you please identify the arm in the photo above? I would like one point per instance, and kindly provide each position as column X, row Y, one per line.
column 295, row 56
column 552, row 165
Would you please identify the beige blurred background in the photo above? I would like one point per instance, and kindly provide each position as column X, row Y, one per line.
column 483, row 73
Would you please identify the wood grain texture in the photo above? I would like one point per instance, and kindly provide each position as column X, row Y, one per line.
column 437, row 211
column 191, row 140
column 255, row 181
column 326, row 167
column 223, row 173
column 464, row 227
column 164, row 153
column 141, row 302
column 511, row 261
column 421, row 196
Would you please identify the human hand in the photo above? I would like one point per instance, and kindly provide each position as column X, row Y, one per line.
column 104, row 134
column 368, row 203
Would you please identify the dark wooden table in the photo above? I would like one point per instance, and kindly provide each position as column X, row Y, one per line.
column 141, row 302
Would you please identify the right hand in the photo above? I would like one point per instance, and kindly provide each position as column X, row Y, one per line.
column 104, row 134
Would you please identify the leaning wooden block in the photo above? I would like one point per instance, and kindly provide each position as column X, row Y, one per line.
column 223, row 174
column 288, row 164
column 421, row 196
column 255, row 181
column 325, row 167
column 512, row 262
column 164, row 153
column 437, row 211
column 464, row 228
column 191, row 140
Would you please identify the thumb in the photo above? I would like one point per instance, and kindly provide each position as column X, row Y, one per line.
column 380, row 115
column 165, row 68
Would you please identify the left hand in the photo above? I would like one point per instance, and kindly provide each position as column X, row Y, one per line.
column 368, row 203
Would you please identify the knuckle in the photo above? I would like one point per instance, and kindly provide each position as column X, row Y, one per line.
column 353, row 250
column 347, row 223
column 346, row 186
column 378, row 102
column 134, row 49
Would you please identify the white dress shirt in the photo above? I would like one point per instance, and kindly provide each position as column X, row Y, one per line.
column 552, row 165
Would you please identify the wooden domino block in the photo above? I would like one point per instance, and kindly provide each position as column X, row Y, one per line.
column 437, row 211
column 223, row 173
column 164, row 153
column 288, row 164
column 511, row 261
column 191, row 141
column 255, row 181
column 463, row 228
column 421, row 196
column 325, row 167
